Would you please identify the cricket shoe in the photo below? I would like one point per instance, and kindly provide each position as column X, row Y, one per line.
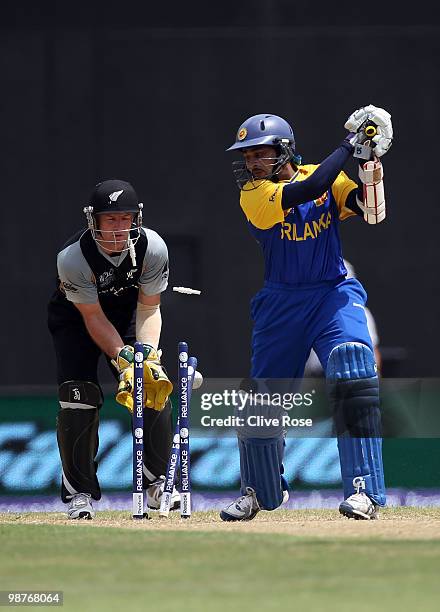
column 359, row 506
column 245, row 508
column 80, row 507
column 155, row 492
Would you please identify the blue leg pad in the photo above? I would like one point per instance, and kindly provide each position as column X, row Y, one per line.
column 361, row 467
column 261, row 466
column 354, row 395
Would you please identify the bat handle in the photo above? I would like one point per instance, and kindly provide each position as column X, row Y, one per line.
column 370, row 130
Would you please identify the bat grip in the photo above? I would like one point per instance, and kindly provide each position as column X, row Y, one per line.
column 370, row 129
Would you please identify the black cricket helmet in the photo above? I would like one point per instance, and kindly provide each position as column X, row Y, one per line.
column 114, row 196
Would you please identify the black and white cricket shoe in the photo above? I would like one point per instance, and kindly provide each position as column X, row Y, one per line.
column 155, row 492
column 245, row 508
column 80, row 507
column 359, row 506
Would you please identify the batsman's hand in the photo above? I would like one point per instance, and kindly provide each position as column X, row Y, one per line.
column 157, row 385
column 381, row 119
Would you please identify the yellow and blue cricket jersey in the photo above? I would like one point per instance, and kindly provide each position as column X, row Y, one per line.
column 306, row 301
column 300, row 245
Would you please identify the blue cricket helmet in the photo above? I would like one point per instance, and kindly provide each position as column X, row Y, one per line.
column 263, row 129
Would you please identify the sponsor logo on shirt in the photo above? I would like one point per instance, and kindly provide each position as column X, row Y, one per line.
column 68, row 287
column 272, row 197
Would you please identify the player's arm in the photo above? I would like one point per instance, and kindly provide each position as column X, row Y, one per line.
column 100, row 329
column 153, row 281
column 351, row 201
column 148, row 319
column 368, row 200
column 318, row 182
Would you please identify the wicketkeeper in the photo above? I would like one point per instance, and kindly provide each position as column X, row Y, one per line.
column 110, row 277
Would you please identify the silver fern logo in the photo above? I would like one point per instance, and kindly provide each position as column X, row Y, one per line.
column 114, row 196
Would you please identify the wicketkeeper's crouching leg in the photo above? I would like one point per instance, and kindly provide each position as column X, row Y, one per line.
column 77, row 434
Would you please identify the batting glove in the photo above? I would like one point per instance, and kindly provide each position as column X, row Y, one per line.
column 381, row 119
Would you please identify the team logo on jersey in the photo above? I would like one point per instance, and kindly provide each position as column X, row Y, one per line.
column 106, row 278
column 320, row 201
column 114, row 196
column 242, row 134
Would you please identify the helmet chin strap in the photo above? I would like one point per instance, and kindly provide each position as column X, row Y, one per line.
column 132, row 251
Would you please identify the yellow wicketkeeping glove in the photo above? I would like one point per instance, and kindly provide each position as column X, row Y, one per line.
column 124, row 365
column 124, row 395
column 157, row 385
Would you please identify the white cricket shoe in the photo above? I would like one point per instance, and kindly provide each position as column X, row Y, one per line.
column 154, row 495
column 80, row 507
column 359, row 506
column 245, row 508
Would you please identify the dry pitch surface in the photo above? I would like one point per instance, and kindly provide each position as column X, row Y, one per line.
column 394, row 523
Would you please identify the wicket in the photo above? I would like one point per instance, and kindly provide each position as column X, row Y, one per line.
column 138, row 432
column 180, row 450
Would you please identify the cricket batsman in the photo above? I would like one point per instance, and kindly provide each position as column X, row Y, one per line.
column 294, row 212
column 110, row 278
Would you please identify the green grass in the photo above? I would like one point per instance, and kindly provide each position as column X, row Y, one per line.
column 111, row 568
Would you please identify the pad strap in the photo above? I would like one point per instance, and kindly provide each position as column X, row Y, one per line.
column 80, row 394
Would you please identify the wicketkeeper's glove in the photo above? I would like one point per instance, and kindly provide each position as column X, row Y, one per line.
column 157, row 386
column 124, row 364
